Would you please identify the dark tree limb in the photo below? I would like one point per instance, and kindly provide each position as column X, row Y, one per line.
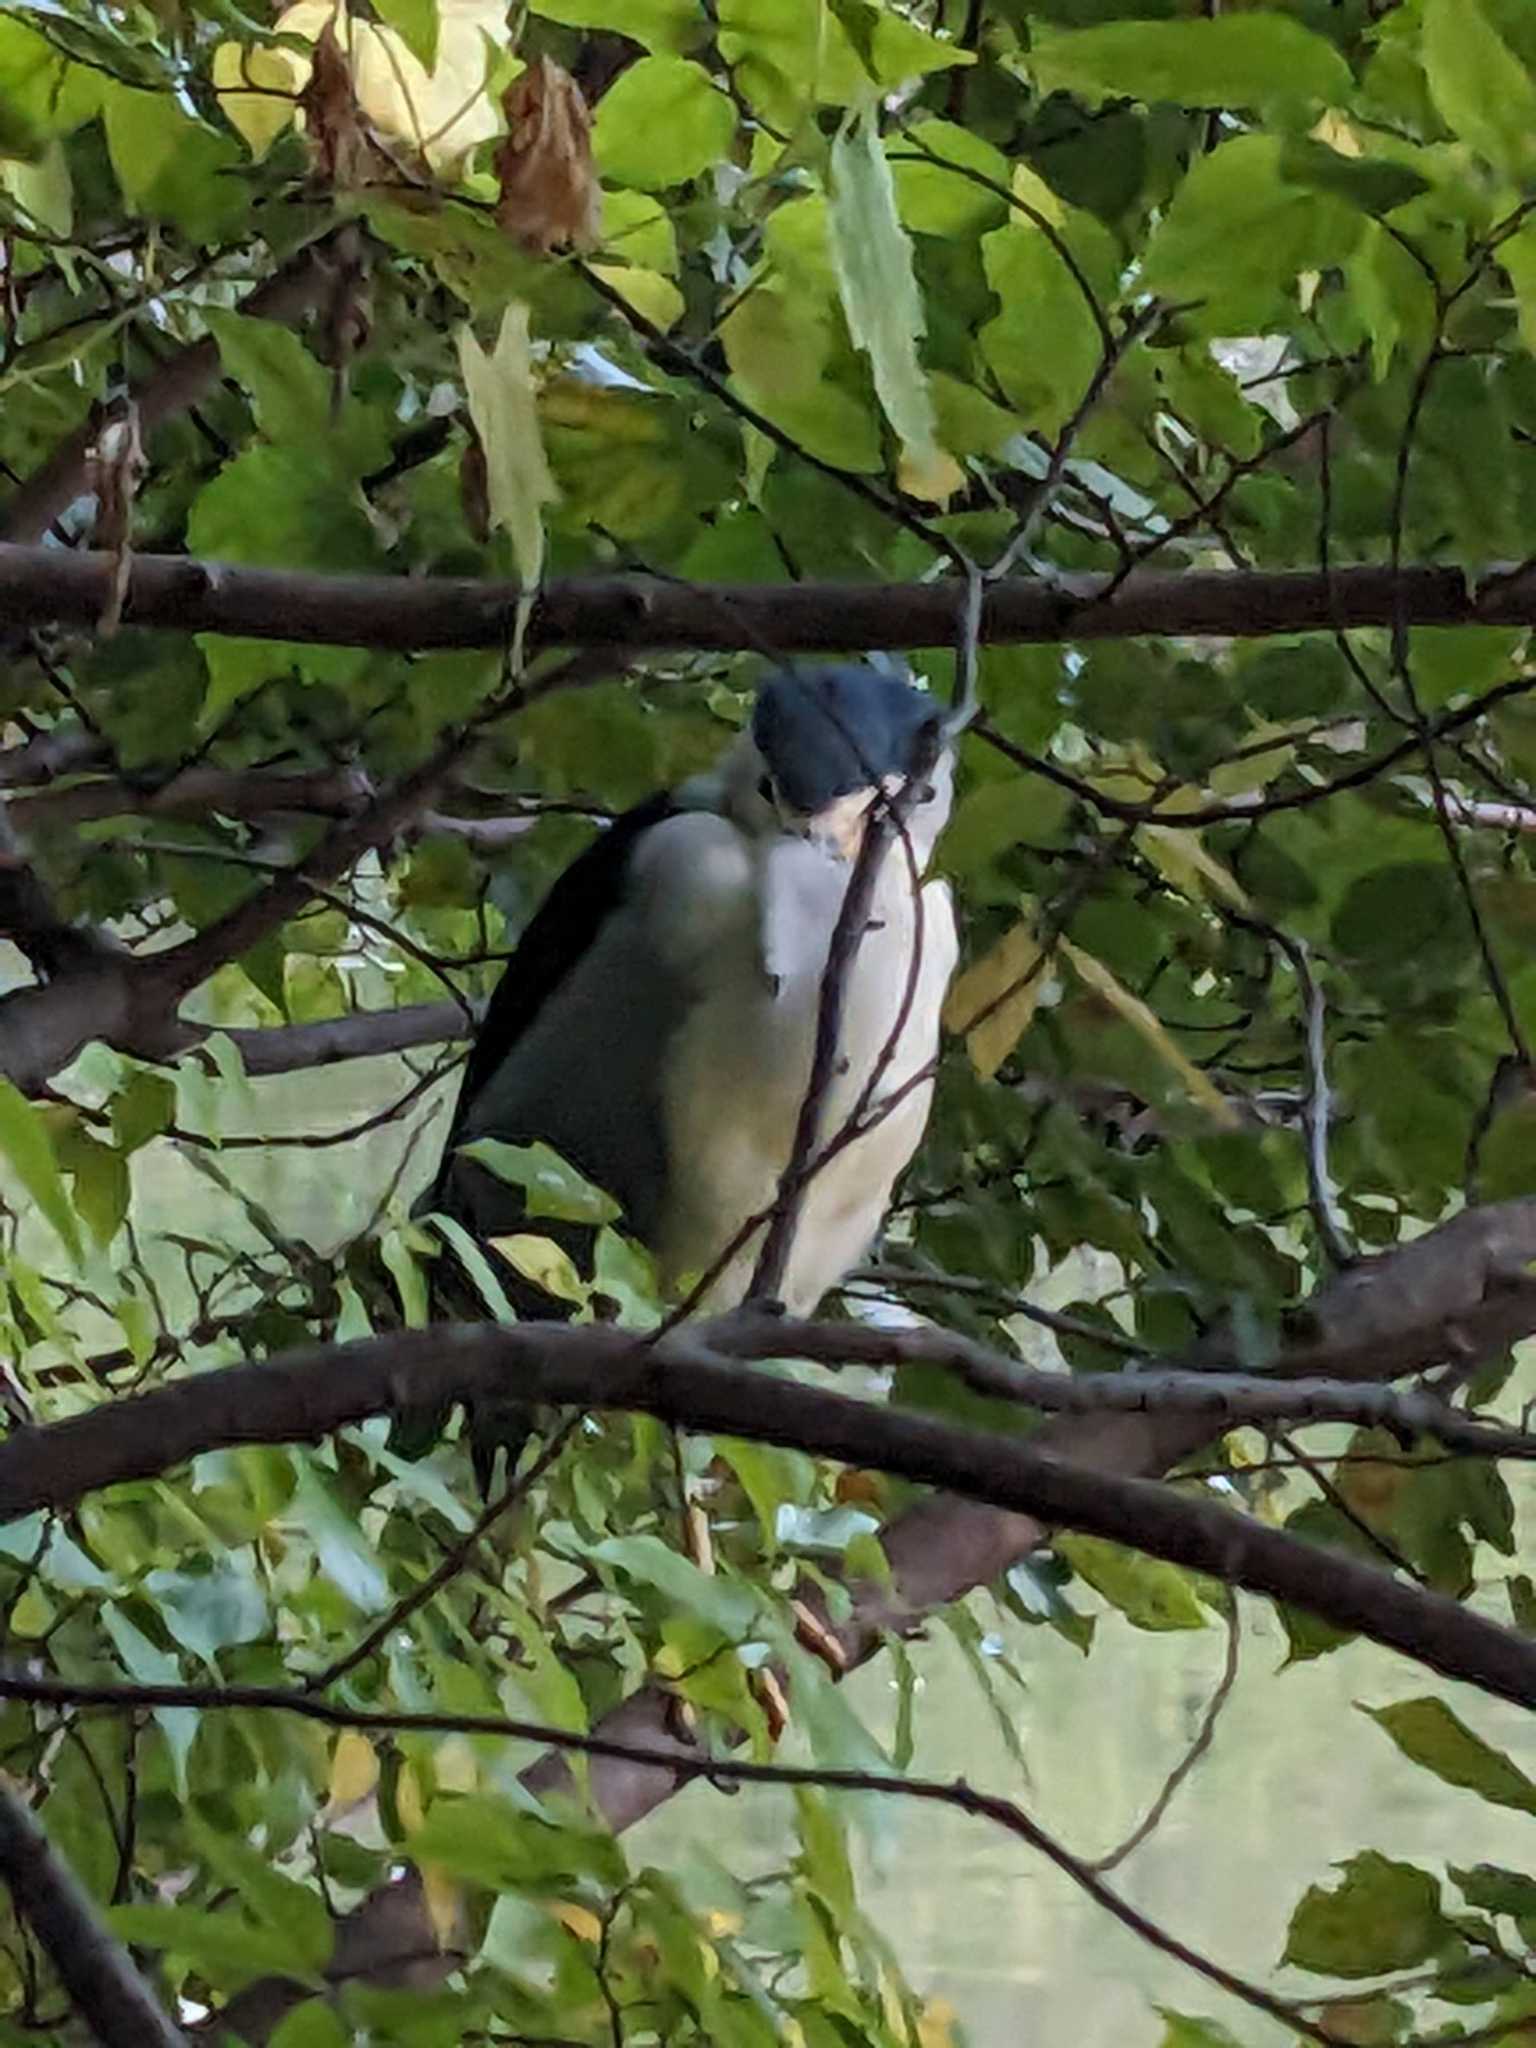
column 97, row 1972
column 638, row 613
column 307, row 1394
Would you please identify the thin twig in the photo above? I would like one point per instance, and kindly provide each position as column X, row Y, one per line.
column 684, row 1763
column 1152, row 1818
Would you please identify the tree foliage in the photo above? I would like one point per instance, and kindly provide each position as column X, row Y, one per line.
column 757, row 292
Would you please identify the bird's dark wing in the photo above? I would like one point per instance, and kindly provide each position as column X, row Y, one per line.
column 561, row 935
column 558, row 936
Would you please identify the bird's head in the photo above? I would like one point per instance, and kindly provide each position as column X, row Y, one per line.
column 824, row 741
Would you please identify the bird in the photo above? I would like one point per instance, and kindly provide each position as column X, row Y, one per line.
column 657, row 1021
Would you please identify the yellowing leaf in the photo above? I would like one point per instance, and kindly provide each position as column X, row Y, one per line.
column 1032, row 191
column 542, row 1261
column 503, row 405
column 936, row 2024
column 1184, row 860
column 441, row 114
column 454, row 1766
column 992, row 1003
column 409, row 1802
column 1335, row 130
column 872, row 255
column 444, row 1898
column 581, row 1920
column 1137, row 1014
column 354, row 1771
column 657, row 297
column 257, row 116
column 933, row 478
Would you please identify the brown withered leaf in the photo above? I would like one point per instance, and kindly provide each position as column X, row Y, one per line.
column 344, row 144
column 346, row 311
column 474, row 488
column 549, row 195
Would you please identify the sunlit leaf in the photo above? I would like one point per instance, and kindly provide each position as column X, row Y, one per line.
column 502, row 400
column 28, row 1152
column 879, row 293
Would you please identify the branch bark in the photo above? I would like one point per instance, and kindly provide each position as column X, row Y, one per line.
column 97, row 1972
column 681, row 1380
column 39, row 584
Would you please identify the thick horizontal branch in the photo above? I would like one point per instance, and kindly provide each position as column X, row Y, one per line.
column 360, row 1035
column 306, row 1395
column 42, row 584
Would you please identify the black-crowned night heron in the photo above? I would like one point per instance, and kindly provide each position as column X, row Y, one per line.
column 656, row 1024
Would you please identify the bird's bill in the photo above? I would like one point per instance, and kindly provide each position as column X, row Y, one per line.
column 839, row 825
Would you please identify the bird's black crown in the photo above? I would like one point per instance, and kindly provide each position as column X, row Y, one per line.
column 829, row 730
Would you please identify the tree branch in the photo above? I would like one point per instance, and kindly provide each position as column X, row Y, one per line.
column 170, row 389
column 39, row 584
column 306, row 1395
column 96, row 1971
column 1393, row 1313
column 691, row 1763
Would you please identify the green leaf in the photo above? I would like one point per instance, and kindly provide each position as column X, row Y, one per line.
column 1044, row 345
column 779, row 346
column 1373, row 184
column 1482, row 91
column 343, row 1554
column 500, row 391
column 416, row 23
column 314, row 2024
column 28, row 1151
column 209, row 1610
column 1493, row 1890
column 879, row 293
column 1239, row 234
column 1517, row 253
column 280, row 1904
column 662, row 122
column 934, row 196
column 658, row 24
column 1381, row 1916
column 279, row 508
column 172, row 168
column 227, row 1950
column 476, row 1264
column 99, row 1182
column 142, row 1108
column 1149, row 1592
column 551, row 1186
column 147, row 1665
column 725, row 1604
column 490, row 1842
column 290, row 390
column 1184, row 2030
column 1428, row 1733
column 1230, row 60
